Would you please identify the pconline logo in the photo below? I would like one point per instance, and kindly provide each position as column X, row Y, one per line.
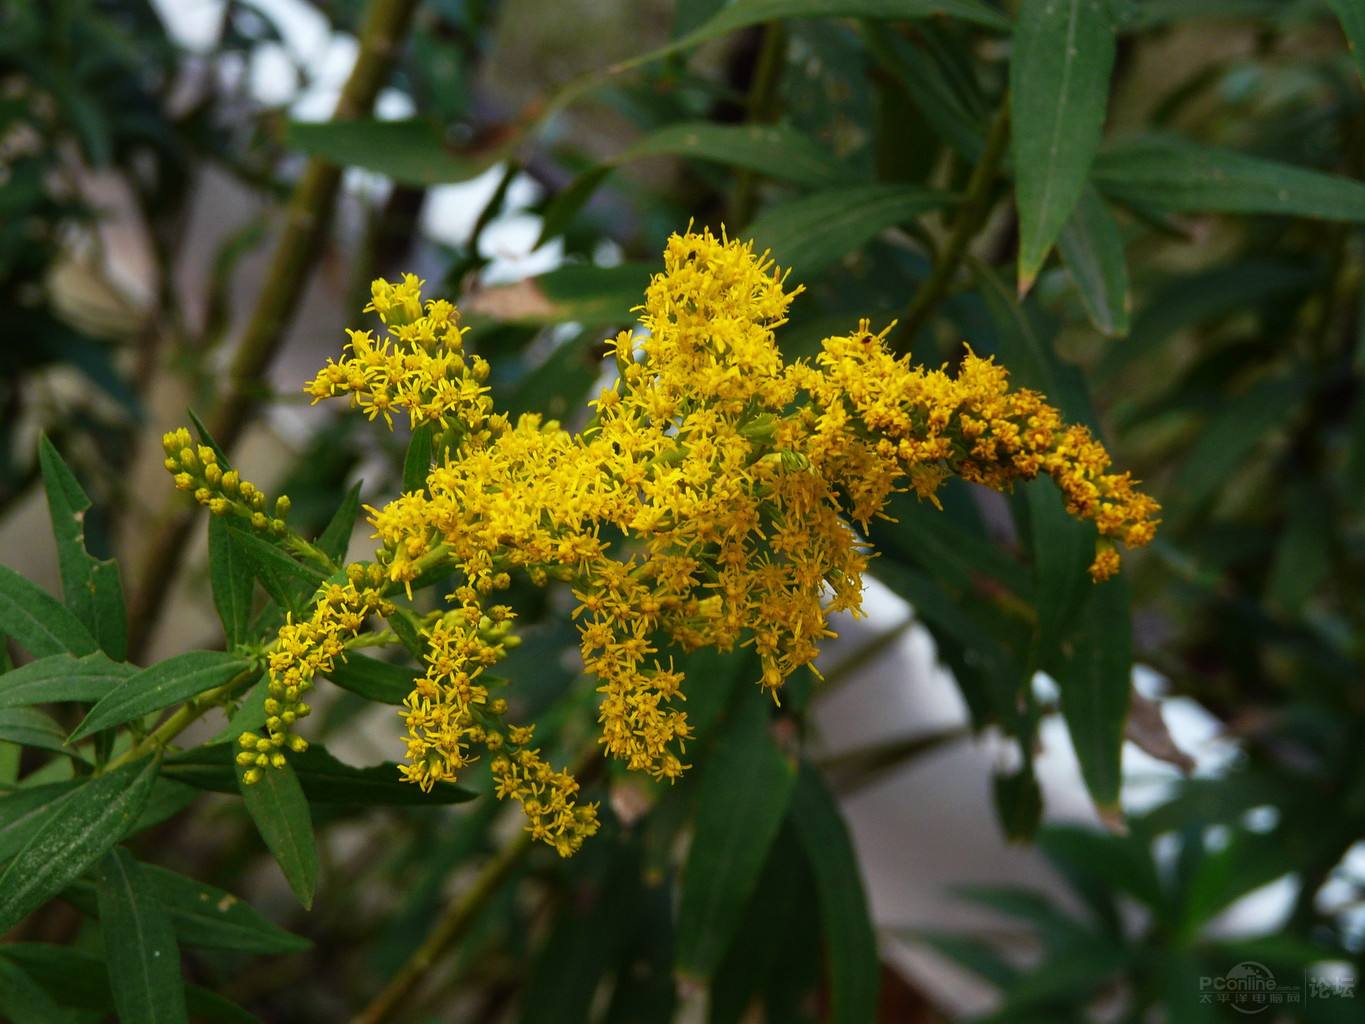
column 1249, row 987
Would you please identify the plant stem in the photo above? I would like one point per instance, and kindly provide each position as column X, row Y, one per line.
column 976, row 206
column 187, row 714
column 307, row 220
column 452, row 926
column 762, row 108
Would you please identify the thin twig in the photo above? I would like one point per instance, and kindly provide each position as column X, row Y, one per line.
column 976, row 206
column 452, row 926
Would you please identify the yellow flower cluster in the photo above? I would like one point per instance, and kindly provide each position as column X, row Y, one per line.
column 302, row 651
column 715, row 498
column 419, row 369
column 196, row 470
column 873, row 420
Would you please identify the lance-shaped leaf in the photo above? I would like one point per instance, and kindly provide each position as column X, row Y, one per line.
column 745, row 792
column 37, row 621
column 1351, row 14
column 280, row 810
column 1096, row 682
column 23, row 1000
column 161, row 685
column 61, row 677
column 288, row 582
column 324, row 779
column 139, row 945
column 854, row 970
column 1092, row 248
column 335, row 537
column 29, row 727
column 74, row 833
column 411, row 152
column 1164, row 172
column 201, row 915
column 810, row 233
column 90, row 586
column 232, row 579
column 1059, row 84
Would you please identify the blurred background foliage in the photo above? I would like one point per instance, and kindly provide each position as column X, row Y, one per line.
column 182, row 222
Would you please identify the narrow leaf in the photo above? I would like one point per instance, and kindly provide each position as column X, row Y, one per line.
column 335, row 538
column 201, row 915
column 417, row 461
column 288, row 582
column 809, row 233
column 29, row 727
column 23, row 1000
column 280, row 810
column 854, row 969
column 139, row 945
column 744, row 795
column 163, row 684
column 232, row 580
column 371, row 678
column 60, row 677
column 776, row 151
column 75, row 832
column 1169, row 173
column 1092, row 248
column 1096, row 681
column 37, row 622
column 1059, row 84
column 90, row 586
column 411, row 152
column 324, row 779
column 1351, row 14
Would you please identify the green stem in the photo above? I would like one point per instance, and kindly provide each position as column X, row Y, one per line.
column 185, row 716
column 762, row 108
column 976, row 206
column 307, row 220
column 452, row 926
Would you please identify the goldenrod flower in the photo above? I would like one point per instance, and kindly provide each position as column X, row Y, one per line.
column 716, row 498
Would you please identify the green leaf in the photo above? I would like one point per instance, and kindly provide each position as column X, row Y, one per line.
column 90, row 585
column 1092, row 248
column 417, row 461
column 563, row 208
column 921, row 69
column 745, row 789
column 1059, row 84
column 37, row 622
column 1169, row 173
column 810, row 233
column 288, row 582
column 139, row 945
column 74, row 832
column 371, row 678
column 29, row 727
column 1018, row 803
column 854, row 969
column 60, row 677
column 202, row 915
column 1062, row 551
column 324, row 779
column 1230, row 437
column 336, row 537
column 411, row 152
column 280, row 810
column 233, row 581
column 776, row 151
column 744, row 13
column 79, row 979
column 23, row 1000
column 22, row 811
column 161, row 685
column 1351, row 14
column 1096, row 682
column 973, row 954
